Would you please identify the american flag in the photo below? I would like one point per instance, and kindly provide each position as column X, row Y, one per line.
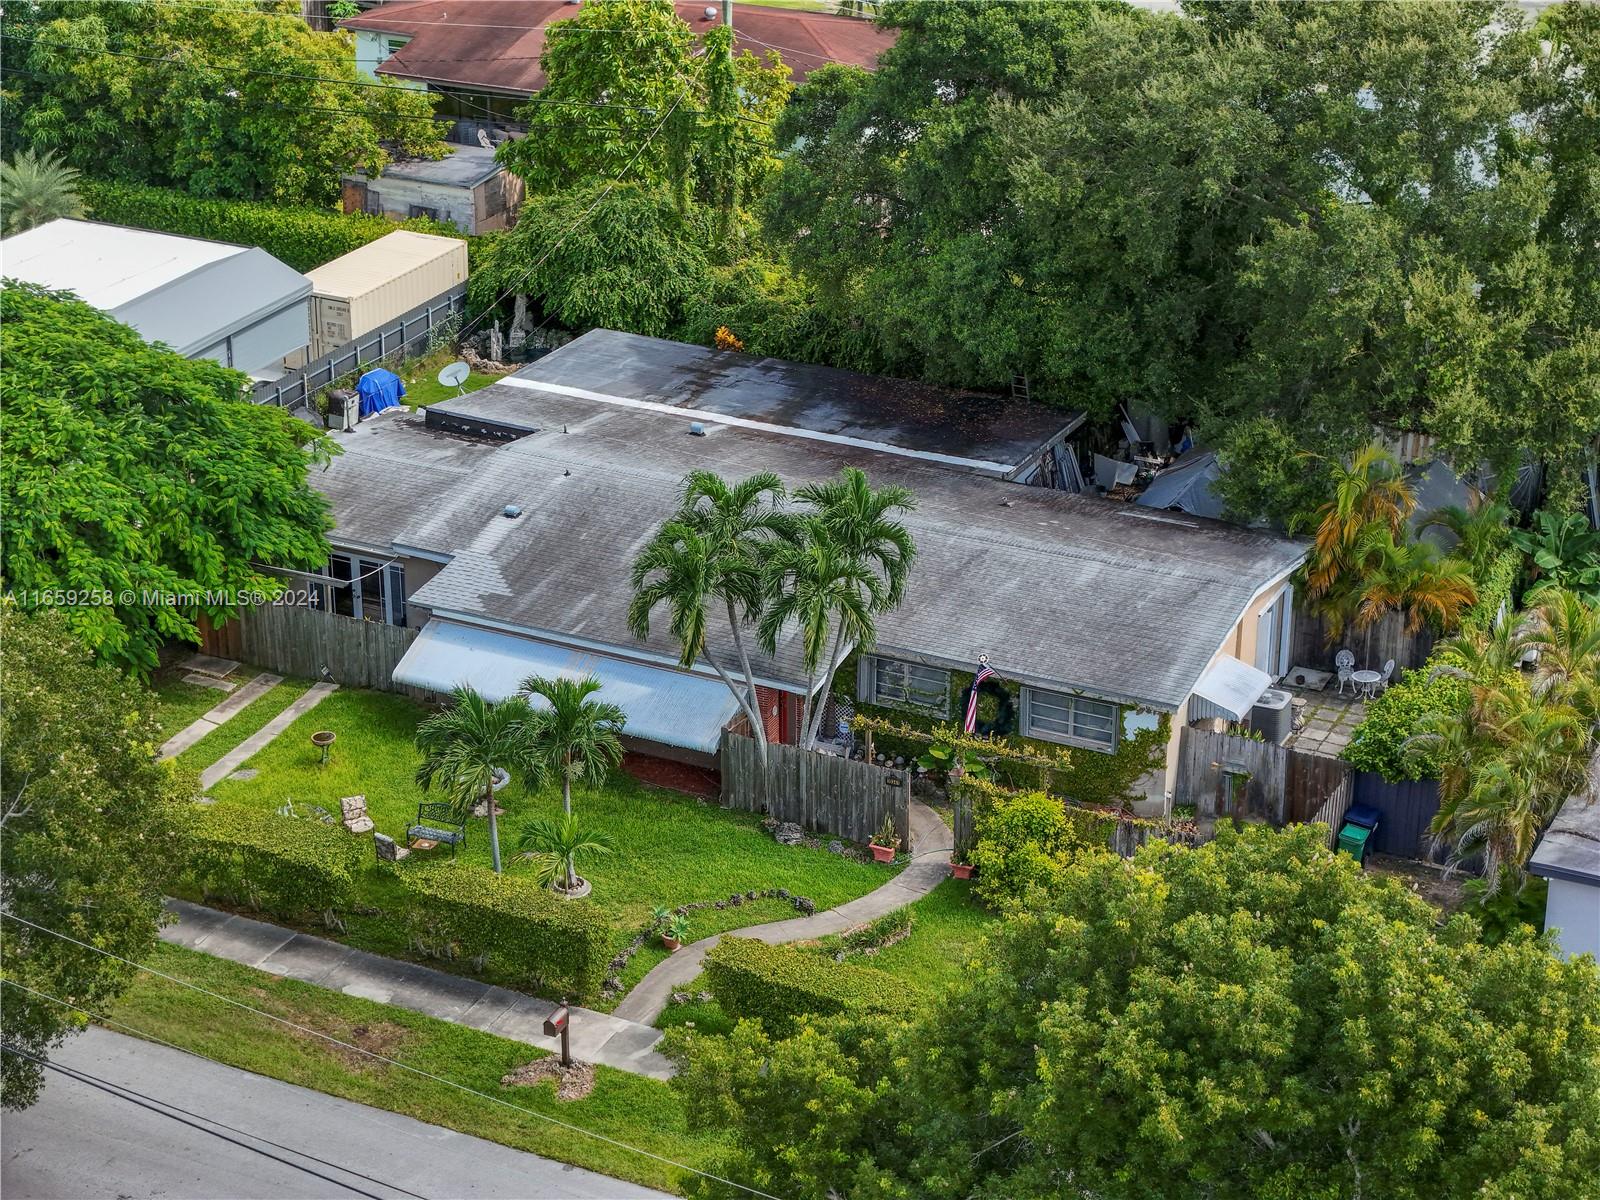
column 972, row 697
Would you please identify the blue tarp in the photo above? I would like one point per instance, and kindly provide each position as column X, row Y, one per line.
column 379, row 389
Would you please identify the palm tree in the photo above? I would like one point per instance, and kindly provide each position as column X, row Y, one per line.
column 553, row 846
column 574, row 736
column 712, row 552
column 1370, row 490
column 462, row 746
column 831, row 596
column 1566, row 632
column 1481, row 531
column 859, row 520
column 1410, row 577
column 35, row 188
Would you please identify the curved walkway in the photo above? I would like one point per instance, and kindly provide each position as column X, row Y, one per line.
column 931, row 845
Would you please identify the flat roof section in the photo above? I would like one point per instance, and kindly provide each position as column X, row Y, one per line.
column 993, row 434
column 107, row 266
column 1570, row 847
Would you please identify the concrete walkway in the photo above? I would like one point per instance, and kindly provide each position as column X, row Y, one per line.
column 235, row 758
column 596, row 1037
column 224, row 712
column 931, row 845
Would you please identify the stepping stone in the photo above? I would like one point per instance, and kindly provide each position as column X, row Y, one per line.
column 210, row 681
column 208, row 664
column 244, row 774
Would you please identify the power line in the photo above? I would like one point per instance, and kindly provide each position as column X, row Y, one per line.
column 104, row 1019
column 317, row 1033
column 144, row 1102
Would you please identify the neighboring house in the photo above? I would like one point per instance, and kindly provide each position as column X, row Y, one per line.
column 235, row 304
column 483, row 57
column 1568, row 856
column 504, row 524
column 467, row 188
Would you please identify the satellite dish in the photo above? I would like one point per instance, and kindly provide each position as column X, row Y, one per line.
column 454, row 375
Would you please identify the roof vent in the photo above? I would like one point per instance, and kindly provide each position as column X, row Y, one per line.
column 511, row 512
column 697, row 428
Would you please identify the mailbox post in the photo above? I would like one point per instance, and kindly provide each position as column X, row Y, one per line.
column 560, row 1022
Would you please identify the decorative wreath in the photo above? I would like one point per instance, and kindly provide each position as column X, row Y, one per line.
column 1005, row 716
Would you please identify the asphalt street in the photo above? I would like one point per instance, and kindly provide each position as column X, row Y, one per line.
column 246, row 1138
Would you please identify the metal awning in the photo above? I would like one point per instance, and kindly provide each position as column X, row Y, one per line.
column 1233, row 686
column 672, row 708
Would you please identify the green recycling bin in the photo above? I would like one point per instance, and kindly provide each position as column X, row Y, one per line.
column 1355, row 834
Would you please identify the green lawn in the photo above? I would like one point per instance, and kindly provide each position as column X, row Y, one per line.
column 671, row 849
column 421, row 377
column 644, row 1113
column 255, row 715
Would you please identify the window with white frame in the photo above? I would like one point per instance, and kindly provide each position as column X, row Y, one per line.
column 1056, row 717
column 369, row 589
column 896, row 684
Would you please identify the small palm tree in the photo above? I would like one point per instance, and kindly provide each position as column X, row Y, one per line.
column 462, row 746
column 35, row 188
column 553, row 845
column 862, row 522
column 1409, row 577
column 1566, row 632
column 1482, row 531
column 574, row 736
column 1370, row 490
column 831, row 596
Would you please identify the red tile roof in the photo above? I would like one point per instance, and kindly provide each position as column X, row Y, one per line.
column 495, row 44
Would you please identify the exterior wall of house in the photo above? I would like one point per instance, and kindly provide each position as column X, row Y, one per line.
column 495, row 203
column 396, row 198
column 1573, row 910
column 373, row 48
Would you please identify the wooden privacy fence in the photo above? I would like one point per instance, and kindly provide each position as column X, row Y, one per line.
column 1384, row 639
column 1223, row 775
column 314, row 644
column 1407, row 810
column 820, row 792
column 1332, row 811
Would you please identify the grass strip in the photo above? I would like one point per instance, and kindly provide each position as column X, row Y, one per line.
column 252, row 719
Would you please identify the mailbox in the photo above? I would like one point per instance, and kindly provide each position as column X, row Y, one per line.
column 555, row 1022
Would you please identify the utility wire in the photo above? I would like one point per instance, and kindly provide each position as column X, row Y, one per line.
column 106, row 1020
column 326, row 1037
column 134, row 1098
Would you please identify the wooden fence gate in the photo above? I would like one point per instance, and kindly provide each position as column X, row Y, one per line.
column 820, row 792
column 1223, row 775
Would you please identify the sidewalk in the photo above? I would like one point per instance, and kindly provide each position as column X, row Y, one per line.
column 596, row 1037
column 931, row 845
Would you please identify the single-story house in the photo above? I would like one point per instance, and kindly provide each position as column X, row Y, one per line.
column 483, row 57
column 466, row 187
column 235, row 304
column 504, row 524
column 1568, row 857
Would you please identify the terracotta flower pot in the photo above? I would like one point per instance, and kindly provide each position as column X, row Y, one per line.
column 882, row 853
column 670, row 942
column 961, row 870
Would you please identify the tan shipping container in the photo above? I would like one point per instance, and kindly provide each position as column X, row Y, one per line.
column 385, row 279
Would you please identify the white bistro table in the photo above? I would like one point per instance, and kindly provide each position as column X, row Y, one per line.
column 1367, row 682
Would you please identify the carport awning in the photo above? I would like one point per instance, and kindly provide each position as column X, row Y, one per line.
column 1233, row 686
column 670, row 707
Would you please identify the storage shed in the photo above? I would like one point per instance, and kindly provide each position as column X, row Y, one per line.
column 1568, row 856
column 467, row 187
column 235, row 304
column 385, row 279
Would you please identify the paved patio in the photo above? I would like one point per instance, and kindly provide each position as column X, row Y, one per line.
column 1330, row 719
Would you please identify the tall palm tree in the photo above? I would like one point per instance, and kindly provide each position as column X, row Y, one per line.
column 1370, row 490
column 553, row 846
column 35, row 188
column 1408, row 577
column 861, row 521
column 711, row 553
column 572, row 736
column 820, row 587
column 462, row 746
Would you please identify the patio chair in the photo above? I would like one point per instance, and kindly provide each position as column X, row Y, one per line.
column 1383, row 681
column 1345, row 663
column 354, row 809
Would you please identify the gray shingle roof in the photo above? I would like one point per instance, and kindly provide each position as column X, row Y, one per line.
column 1570, row 847
column 1063, row 591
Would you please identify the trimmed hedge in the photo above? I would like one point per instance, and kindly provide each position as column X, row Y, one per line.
column 265, row 862
column 555, row 947
column 302, row 237
column 778, row 985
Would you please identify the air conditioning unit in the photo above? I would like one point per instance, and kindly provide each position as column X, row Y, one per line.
column 1273, row 715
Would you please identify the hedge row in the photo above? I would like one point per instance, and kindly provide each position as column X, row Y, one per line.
column 555, row 947
column 298, row 870
column 778, row 985
column 261, row 861
column 302, row 237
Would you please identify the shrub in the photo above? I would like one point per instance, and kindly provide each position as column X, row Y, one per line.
column 302, row 237
column 885, row 931
column 777, row 985
column 553, row 947
column 1496, row 590
column 1379, row 743
column 274, row 864
column 1022, row 842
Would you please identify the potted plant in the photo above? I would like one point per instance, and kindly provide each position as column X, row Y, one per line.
column 885, row 842
column 675, row 932
column 960, row 870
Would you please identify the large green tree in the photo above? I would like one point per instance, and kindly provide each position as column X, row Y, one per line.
column 1286, row 223
column 1257, row 1018
column 142, row 481
column 231, row 98
column 90, row 826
